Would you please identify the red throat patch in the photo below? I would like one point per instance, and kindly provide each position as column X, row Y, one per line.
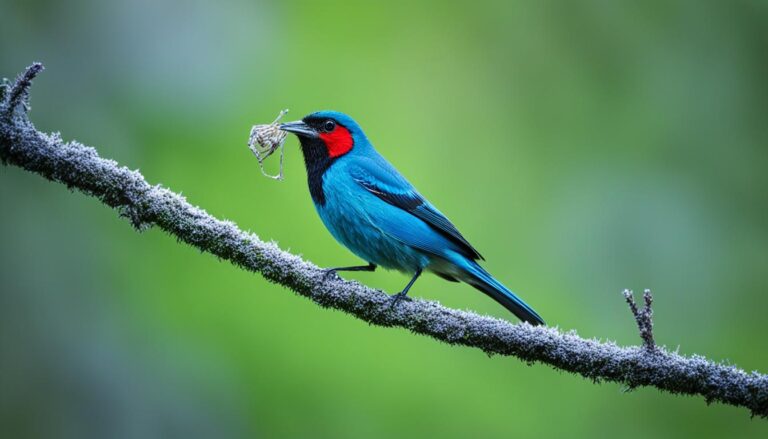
column 339, row 141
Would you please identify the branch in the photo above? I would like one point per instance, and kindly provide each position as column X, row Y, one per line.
column 80, row 167
column 20, row 87
column 643, row 317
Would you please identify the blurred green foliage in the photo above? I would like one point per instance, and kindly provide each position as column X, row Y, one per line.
column 583, row 147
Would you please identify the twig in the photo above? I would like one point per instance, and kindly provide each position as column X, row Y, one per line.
column 80, row 167
column 643, row 317
column 20, row 87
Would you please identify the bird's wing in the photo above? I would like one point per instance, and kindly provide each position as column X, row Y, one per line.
column 381, row 179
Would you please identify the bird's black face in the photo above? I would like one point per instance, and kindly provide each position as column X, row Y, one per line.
column 323, row 133
column 323, row 139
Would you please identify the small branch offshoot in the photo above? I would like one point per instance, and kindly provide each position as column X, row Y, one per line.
column 18, row 91
column 643, row 317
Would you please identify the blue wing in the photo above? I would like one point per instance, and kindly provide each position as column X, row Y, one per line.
column 378, row 177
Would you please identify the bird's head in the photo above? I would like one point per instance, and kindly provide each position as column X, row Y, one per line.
column 326, row 134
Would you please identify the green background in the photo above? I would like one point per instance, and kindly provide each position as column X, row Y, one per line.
column 583, row 147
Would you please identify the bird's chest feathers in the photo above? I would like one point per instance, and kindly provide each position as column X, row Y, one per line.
column 342, row 197
column 346, row 212
column 351, row 213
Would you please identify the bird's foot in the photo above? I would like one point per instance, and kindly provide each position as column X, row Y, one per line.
column 330, row 272
column 399, row 297
column 334, row 271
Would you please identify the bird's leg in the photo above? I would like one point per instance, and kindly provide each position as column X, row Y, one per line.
column 403, row 295
column 331, row 271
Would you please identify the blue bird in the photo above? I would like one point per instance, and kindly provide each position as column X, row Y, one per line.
column 376, row 213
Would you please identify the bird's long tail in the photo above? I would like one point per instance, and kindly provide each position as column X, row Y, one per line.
column 483, row 281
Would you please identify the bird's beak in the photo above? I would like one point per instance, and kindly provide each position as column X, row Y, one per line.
column 299, row 128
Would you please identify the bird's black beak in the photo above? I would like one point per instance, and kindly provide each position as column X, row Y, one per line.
column 299, row 128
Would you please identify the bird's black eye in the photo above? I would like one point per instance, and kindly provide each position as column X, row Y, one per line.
column 329, row 126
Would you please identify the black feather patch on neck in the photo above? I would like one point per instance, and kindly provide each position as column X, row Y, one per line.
column 317, row 161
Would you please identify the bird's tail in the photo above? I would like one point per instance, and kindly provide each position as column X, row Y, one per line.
column 483, row 281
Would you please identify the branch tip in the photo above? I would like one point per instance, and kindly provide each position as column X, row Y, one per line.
column 643, row 317
column 20, row 87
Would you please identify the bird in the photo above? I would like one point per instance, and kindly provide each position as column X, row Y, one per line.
column 371, row 209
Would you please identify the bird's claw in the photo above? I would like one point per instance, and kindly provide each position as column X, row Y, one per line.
column 399, row 297
column 329, row 272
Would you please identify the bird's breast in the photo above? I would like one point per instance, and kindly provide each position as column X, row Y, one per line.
column 350, row 214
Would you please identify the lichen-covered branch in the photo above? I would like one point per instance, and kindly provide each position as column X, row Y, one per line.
column 643, row 317
column 144, row 205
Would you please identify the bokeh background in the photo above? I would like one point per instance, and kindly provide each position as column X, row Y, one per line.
column 584, row 147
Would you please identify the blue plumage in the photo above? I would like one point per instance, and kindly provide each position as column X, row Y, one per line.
column 375, row 212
